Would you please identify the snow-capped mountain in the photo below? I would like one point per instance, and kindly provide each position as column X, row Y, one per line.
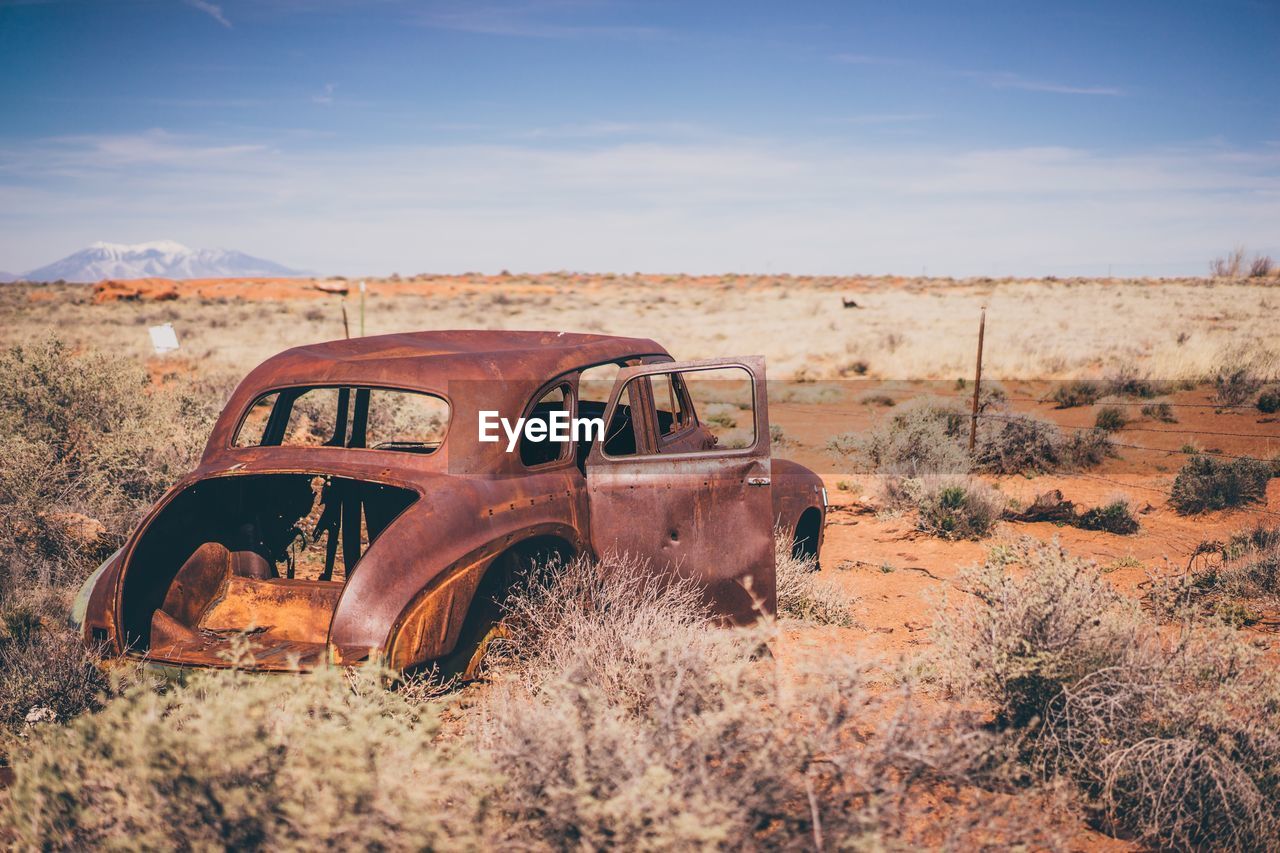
column 163, row 259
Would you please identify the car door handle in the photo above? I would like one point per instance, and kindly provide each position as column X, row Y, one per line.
column 758, row 481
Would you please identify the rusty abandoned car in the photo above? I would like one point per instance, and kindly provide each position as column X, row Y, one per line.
column 347, row 507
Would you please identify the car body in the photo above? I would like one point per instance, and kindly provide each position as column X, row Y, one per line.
column 323, row 449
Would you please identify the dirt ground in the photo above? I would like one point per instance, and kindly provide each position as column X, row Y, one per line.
column 905, row 338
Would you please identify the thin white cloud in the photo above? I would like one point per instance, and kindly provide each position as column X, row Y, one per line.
column 878, row 118
column 325, row 95
column 994, row 79
column 100, row 154
column 1010, row 80
column 539, row 19
column 708, row 204
column 213, row 10
column 615, row 130
column 866, row 59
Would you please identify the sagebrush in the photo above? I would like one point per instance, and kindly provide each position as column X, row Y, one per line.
column 1173, row 741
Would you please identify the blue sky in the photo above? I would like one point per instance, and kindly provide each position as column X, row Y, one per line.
column 954, row 137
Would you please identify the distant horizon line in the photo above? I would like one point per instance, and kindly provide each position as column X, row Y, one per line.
column 392, row 278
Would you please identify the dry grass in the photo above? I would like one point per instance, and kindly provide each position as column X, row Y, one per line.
column 1224, row 580
column 86, row 445
column 229, row 761
column 1173, row 741
column 805, row 595
column 927, row 437
column 1035, row 329
column 920, row 438
column 950, row 506
column 624, row 719
column 48, row 674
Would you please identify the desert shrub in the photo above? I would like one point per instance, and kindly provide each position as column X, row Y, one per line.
column 804, row 594
column 920, row 437
column 1220, row 575
column 1261, row 266
column 235, row 761
column 1077, row 392
column 1019, row 641
column 46, row 672
column 956, row 507
column 1128, row 382
column 1205, row 483
column 1234, row 383
column 1022, row 444
column 1178, row 746
column 1230, row 265
column 1251, row 564
column 86, row 443
column 623, row 718
column 1085, row 448
column 632, row 722
column 929, row 438
column 1162, row 412
column 1017, row 443
column 1110, row 419
column 1114, row 517
column 1269, row 401
column 855, row 368
column 1172, row 742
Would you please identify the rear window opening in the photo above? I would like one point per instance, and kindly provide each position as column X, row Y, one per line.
column 345, row 416
column 262, row 555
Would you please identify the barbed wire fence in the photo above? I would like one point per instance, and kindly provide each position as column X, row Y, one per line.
column 1268, row 450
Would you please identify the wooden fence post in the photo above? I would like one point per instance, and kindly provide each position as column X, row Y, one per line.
column 977, row 382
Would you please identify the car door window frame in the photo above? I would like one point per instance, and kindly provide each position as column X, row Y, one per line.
column 758, row 413
column 568, row 451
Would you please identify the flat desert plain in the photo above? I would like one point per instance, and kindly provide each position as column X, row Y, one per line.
column 845, row 356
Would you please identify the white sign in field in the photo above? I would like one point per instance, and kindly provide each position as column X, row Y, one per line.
column 163, row 338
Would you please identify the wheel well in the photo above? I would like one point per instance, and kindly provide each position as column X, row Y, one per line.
column 541, row 550
column 808, row 531
column 506, row 573
column 497, row 581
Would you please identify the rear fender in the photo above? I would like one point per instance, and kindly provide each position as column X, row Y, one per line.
column 429, row 625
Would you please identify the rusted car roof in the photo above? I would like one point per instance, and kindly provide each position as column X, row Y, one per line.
column 497, row 370
column 413, row 358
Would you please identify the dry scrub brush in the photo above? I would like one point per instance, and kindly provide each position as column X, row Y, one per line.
column 86, row 443
column 949, row 506
column 1206, row 483
column 1223, row 579
column 233, row 761
column 623, row 719
column 619, row 718
column 920, row 451
column 803, row 593
column 1175, row 741
column 46, row 672
column 928, row 436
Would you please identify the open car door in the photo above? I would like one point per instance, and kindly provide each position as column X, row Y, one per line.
column 692, row 492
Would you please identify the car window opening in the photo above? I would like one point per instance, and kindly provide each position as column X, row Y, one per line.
column 346, row 416
column 534, row 453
